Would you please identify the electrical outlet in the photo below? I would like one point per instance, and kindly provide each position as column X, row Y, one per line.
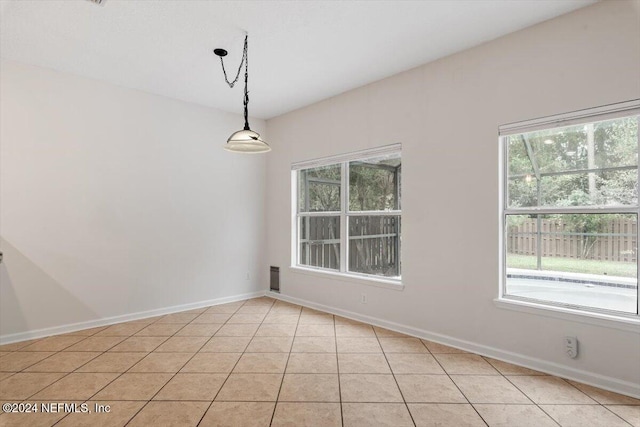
column 363, row 298
column 571, row 346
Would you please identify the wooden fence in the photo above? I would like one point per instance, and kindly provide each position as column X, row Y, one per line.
column 618, row 241
column 374, row 245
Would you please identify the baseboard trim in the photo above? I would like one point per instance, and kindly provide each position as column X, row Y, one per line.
column 608, row 383
column 73, row 327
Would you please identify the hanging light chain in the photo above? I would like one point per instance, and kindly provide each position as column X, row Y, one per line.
column 246, row 82
column 244, row 58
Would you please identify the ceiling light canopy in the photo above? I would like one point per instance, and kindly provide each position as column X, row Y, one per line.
column 245, row 140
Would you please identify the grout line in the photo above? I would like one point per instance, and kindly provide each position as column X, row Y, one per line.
column 394, row 375
column 285, row 366
column 455, row 384
column 231, row 370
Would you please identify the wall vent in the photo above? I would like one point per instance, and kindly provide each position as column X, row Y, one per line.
column 275, row 279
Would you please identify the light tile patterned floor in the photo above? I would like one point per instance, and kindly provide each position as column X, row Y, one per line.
column 263, row 362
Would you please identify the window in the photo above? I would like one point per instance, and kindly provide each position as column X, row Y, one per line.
column 570, row 210
column 348, row 213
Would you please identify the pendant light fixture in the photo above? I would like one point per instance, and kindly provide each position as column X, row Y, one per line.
column 245, row 140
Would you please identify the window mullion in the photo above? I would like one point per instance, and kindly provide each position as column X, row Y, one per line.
column 344, row 207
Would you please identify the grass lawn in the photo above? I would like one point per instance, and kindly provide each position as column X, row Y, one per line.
column 610, row 268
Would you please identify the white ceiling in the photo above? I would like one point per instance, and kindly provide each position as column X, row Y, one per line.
column 299, row 51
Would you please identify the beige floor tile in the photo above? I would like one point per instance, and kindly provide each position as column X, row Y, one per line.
column 250, row 387
column 56, row 343
column 281, row 318
column 358, row 345
column 162, row 362
column 183, row 318
column 549, row 390
column 402, row 345
column 313, row 345
column 23, row 385
column 134, row 386
column 236, row 414
column 192, row 387
column 226, row 345
column 270, row 345
column 386, row 333
column 66, row 361
column 445, row 414
column 247, row 318
column 96, row 344
column 160, row 330
column 463, row 364
column 88, row 332
column 413, row 363
column 364, row 331
column 112, row 362
column 170, row 414
column 489, row 389
column 629, row 413
column 509, row 369
column 17, row 345
column 312, row 311
column 17, row 361
column 376, row 414
column 120, row 412
column 263, row 301
column 138, row 344
column 212, row 318
column 603, row 396
column 310, row 388
column 363, row 363
column 195, row 310
column 238, row 330
column 5, row 375
column 369, row 388
column 313, row 330
column 254, row 309
column 289, row 414
column 514, row 415
column 182, row 344
column 221, row 363
column 434, row 348
column 583, row 416
column 262, row 363
column 276, row 330
column 342, row 321
column 224, row 308
column 121, row 330
column 286, row 308
column 429, row 389
column 32, row 419
column 76, row 386
column 312, row 363
column 315, row 318
column 199, row 330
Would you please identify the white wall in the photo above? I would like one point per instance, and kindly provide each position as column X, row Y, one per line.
column 446, row 114
column 114, row 202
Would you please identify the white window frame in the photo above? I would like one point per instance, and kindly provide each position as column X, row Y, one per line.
column 344, row 214
column 584, row 314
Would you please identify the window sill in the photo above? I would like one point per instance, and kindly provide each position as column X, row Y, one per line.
column 599, row 319
column 344, row 277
